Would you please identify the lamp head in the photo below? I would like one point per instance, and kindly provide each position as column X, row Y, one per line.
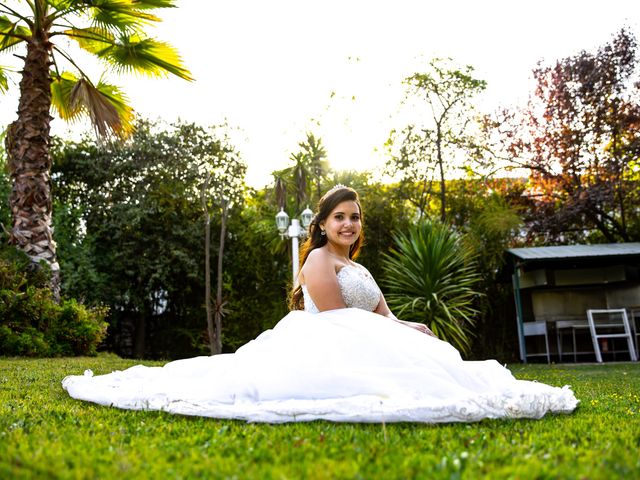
column 305, row 217
column 282, row 221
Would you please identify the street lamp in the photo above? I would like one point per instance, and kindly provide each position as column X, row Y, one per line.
column 294, row 231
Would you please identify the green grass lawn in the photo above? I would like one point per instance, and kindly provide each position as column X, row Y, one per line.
column 46, row 434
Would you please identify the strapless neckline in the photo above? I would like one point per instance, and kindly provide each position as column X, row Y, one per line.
column 357, row 286
column 357, row 267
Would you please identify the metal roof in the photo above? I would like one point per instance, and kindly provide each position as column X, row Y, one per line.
column 576, row 251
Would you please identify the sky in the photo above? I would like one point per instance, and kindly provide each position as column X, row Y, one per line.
column 278, row 69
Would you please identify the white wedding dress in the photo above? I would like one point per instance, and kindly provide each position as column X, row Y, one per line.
column 347, row 365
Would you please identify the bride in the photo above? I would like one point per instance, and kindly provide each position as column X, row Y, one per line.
column 339, row 355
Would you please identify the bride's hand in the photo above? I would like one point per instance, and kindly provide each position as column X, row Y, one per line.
column 421, row 327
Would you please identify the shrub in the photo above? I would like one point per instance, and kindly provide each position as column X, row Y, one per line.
column 78, row 329
column 33, row 324
column 431, row 277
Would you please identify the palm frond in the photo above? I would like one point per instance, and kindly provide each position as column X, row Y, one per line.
column 150, row 4
column 118, row 100
column 11, row 33
column 300, row 178
column 130, row 53
column 4, row 81
column 94, row 40
column 122, row 15
column 105, row 104
column 280, row 191
column 61, row 88
column 149, row 56
column 60, row 5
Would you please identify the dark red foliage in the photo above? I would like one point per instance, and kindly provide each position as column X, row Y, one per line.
column 579, row 136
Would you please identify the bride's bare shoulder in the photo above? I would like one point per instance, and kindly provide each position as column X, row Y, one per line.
column 319, row 260
column 319, row 255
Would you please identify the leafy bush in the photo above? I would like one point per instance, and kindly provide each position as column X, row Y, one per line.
column 431, row 277
column 33, row 324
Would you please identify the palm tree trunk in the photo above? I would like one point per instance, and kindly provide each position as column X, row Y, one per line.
column 27, row 145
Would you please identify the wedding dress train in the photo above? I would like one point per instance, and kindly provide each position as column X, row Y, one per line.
column 346, row 365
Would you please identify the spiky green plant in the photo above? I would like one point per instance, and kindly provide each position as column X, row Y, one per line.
column 430, row 275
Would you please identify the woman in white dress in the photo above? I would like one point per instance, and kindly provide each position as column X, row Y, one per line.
column 339, row 355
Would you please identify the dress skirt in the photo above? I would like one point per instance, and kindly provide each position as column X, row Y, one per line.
column 346, row 365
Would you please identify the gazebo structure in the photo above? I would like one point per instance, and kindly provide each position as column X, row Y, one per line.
column 554, row 287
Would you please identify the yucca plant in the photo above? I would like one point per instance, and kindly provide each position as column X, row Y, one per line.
column 430, row 275
column 112, row 31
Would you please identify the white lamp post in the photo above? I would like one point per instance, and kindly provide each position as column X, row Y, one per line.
column 294, row 231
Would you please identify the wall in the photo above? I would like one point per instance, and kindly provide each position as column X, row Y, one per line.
column 572, row 303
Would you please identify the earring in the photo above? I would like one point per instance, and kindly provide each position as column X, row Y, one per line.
column 323, row 233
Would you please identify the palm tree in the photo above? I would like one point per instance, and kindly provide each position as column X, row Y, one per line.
column 300, row 179
column 112, row 31
column 280, row 189
column 315, row 156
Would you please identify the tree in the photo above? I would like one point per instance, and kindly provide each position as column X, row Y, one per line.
column 300, row 180
column 224, row 176
column 428, row 149
column 315, row 158
column 492, row 225
column 113, row 31
column 579, row 135
column 139, row 215
column 310, row 168
column 257, row 272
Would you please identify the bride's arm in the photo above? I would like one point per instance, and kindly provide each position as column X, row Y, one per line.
column 319, row 274
column 384, row 310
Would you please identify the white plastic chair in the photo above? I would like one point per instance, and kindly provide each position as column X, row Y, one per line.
column 616, row 325
column 531, row 329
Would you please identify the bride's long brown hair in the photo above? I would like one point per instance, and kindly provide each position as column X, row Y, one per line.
column 314, row 240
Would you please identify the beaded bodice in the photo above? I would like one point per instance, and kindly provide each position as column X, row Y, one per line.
column 358, row 288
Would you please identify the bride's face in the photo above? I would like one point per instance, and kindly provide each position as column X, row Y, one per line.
column 343, row 226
